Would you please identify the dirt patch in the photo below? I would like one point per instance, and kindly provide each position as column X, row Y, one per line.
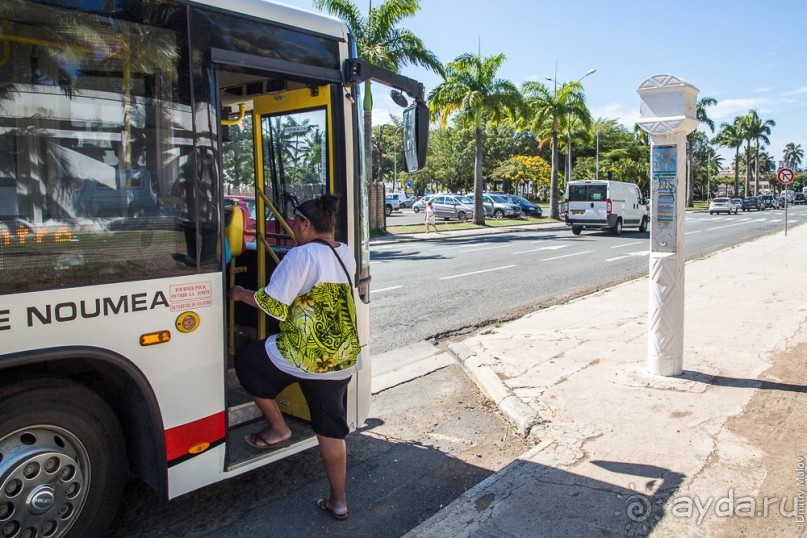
column 774, row 421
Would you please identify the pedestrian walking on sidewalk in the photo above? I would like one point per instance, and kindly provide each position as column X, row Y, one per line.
column 430, row 219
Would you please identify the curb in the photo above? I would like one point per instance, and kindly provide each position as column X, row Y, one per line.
column 519, row 413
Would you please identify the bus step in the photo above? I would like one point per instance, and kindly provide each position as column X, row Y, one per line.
column 240, row 453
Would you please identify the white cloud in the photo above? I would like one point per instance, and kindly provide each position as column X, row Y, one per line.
column 381, row 116
column 797, row 91
column 727, row 109
column 762, row 90
column 626, row 115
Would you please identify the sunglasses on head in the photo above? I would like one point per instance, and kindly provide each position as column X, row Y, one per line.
column 299, row 213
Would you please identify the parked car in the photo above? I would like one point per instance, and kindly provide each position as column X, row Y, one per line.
column 752, row 202
column 393, row 201
column 408, row 202
column 499, row 206
column 779, row 202
column 527, row 207
column 453, row 206
column 768, row 201
column 419, row 205
column 738, row 202
column 799, row 198
column 722, row 205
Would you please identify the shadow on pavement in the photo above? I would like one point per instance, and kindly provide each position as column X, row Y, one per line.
column 741, row 383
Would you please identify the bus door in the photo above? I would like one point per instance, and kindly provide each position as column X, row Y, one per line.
column 292, row 153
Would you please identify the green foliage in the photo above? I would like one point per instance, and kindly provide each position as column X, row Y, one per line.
column 238, row 156
column 472, row 92
column 523, row 170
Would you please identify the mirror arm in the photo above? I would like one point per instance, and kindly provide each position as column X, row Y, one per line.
column 357, row 71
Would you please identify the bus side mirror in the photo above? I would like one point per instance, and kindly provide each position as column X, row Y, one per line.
column 415, row 136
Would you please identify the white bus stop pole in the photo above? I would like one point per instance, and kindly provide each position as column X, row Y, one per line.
column 665, row 314
column 668, row 115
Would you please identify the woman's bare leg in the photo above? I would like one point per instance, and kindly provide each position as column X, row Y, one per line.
column 334, row 456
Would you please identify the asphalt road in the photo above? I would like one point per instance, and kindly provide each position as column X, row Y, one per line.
column 440, row 285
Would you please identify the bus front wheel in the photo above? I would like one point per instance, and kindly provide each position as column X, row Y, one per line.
column 62, row 460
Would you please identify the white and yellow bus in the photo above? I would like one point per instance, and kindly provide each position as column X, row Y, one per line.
column 123, row 128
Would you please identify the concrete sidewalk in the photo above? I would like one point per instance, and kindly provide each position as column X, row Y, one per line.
column 620, row 452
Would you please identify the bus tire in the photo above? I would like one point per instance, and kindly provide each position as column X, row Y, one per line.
column 62, row 459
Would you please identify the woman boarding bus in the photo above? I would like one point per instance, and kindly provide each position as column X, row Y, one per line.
column 123, row 125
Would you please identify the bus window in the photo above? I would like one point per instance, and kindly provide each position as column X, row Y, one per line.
column 97, row 143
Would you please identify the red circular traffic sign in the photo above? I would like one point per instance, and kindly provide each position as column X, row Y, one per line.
column 785, row 176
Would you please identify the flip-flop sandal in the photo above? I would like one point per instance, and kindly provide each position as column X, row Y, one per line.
column 323, row 504
column 256, row 441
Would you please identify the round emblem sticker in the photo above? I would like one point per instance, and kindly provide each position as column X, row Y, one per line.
column 187, row 322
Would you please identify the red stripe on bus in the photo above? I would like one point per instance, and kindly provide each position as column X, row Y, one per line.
column 179, row 439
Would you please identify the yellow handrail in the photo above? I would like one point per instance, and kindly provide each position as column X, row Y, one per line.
column 242, row 109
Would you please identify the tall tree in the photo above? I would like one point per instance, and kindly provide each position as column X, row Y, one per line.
column 792, row 156
column 471, row 90
column 702, row 117
column 553, row 105
column 382, row 43
column 731, row 136
column 756, row 129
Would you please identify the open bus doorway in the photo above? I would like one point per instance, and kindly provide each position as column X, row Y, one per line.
column 276, row 147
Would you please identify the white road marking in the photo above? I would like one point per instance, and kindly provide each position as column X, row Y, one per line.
column 477, row 272
column 567, row 255
column 639, row 253
column 484, row 248
column 555, row 247
column 617, row 258
column 690, row 233
column 730, row 225
column 386, row 289
column 627, row 245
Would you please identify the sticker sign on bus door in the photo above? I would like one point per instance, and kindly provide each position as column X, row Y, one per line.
column 190, row 296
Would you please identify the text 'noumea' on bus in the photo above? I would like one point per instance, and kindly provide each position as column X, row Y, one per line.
column 132, row 134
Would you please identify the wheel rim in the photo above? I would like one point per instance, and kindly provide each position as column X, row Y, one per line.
column 498, row 214
column 44, row 482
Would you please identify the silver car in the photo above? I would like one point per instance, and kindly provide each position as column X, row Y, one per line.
column 499, row 206
column 452, row 206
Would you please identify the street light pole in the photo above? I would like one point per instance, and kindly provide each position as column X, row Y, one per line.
column 597, row 161
column 568, row 123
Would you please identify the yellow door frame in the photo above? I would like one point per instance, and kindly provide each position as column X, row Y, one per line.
column 291, row 101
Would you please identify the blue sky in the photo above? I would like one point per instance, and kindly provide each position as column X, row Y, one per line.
column 744, row 54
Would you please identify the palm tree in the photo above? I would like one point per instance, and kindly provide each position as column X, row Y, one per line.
column 730, row 136
column 545, row 105
column 381, row 43
column 756, row 129
column 793, row 155
column 702, row 117
column 470, row 88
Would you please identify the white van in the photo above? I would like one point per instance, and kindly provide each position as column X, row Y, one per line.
column 393, row 202
column 604, row 205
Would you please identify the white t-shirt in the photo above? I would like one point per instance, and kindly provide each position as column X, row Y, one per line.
column 430, row 213
column 303, row 268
